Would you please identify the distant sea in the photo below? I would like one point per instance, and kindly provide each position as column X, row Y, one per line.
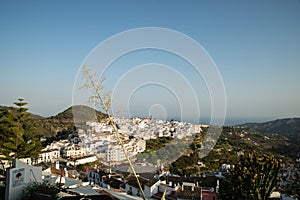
column 233, row 121
column 229, row 121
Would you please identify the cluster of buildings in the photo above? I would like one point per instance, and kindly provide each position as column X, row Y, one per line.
column 100, row 141
column 103, row 183
column 204, row 187
column 20, row 175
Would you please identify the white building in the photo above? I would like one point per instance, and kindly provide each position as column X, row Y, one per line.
column 18, row 176
column 73, row 151
column 115, row 153
column 49, row 155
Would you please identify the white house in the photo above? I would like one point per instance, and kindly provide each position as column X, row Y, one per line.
column 132, row 187
column 151, row 187
column 73, row 151
column 49, row 155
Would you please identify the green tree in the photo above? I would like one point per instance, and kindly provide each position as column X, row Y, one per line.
column 254, row 177
column 18, row 138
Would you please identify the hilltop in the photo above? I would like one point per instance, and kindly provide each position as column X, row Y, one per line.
column 65, row 120
column 287, row 126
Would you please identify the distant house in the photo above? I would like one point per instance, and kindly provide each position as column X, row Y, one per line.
column 49, row 155
column 104, row 178
column 132, row 187
column 188, row 191
column 73, row 151
column 95, row 176
column 56, row 172
column 208, row 181
column 151, row 187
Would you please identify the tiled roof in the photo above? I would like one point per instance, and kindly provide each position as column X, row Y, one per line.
column 189, row 193
column 113, row 182
column 207, row 181
column 151, row 182
column 60, row 172
column 131, row 180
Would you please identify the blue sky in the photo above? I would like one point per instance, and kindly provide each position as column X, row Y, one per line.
column 255, row 45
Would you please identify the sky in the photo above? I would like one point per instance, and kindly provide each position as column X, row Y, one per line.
column 255, row 46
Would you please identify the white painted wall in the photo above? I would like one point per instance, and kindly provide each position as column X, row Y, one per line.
column 18, row 177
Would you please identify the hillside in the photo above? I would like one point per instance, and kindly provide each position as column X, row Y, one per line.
column 65, row 120
column 235, row 140
column 78, row 114
column 288, row 126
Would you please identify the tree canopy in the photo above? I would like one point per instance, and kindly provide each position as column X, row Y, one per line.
column 17, row 132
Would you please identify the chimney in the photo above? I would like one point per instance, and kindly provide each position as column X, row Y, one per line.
column 66, row 172
column 218, row 185
column 57, row 165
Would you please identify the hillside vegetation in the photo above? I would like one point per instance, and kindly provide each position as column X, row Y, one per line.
column 65, row 120
column 288, row 126
column 287, row 131
column 235, row 141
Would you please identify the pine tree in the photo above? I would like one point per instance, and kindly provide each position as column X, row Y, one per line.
column 17, row 132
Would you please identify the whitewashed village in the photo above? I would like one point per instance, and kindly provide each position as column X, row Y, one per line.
column 102, row 179
column 98, row 143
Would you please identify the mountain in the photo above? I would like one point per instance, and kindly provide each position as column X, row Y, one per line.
column 75, row 115
column 288, row 126
column 287, row 133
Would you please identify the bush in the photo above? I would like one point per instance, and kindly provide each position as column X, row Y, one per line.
column 42, row 188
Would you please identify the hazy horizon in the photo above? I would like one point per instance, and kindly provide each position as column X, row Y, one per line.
column 229, row 121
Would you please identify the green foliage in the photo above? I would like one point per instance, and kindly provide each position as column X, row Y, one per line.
column 195, row 145
column 185, row 165
column 18, row 138
column 42, row 188
column 156, row 144
column 254, row 177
